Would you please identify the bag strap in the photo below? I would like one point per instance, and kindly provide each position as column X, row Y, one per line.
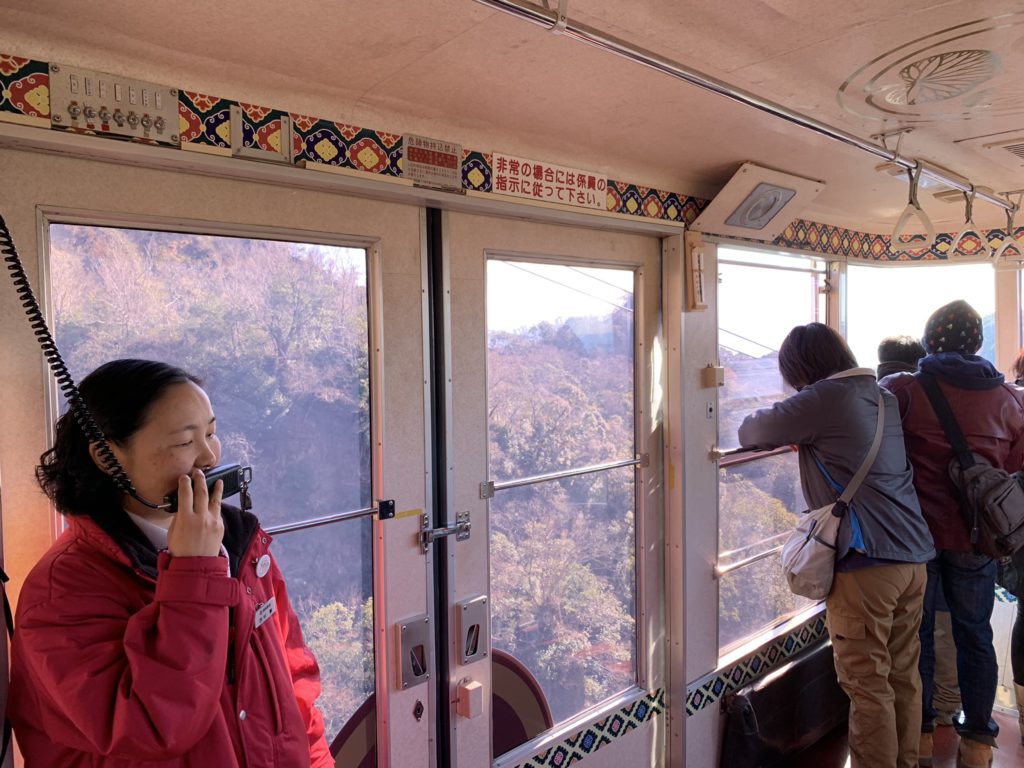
column 950, row 426
column 865, row 466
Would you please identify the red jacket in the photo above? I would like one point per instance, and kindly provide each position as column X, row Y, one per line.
column 121, row 662
column 992, row 420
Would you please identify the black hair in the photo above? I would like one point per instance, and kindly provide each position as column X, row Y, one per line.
column 900, row 349
column 813, row 352
column 119, row 395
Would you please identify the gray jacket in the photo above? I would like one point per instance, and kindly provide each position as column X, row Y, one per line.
column 834, row 419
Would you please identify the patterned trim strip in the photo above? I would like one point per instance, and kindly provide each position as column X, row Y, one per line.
column 837, row 241
column 707, row 690
column 24, row 89
column 593, row 737
column 205, row 122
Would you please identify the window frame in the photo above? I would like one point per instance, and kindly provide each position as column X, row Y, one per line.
column 65, row 215
column 641, row 389
column 833, row 288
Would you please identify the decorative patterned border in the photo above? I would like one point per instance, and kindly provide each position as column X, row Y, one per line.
column 837, row 241
column 205, row 120
column 205, row 125
column 648, row 203
column 24, row 90
column 707, row 690
column 592, row 738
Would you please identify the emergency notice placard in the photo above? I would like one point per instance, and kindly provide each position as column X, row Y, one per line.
column 552, row 183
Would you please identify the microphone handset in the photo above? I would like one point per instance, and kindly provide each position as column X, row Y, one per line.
column 236, row 480
column 236, row 477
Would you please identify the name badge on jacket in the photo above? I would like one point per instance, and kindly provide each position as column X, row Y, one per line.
column 265, row 610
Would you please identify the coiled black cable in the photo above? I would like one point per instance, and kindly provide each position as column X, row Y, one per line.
column 60, row 370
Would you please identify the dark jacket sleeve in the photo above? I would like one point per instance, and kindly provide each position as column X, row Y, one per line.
column 304, row 671
column 142, row 682
column 794, row 421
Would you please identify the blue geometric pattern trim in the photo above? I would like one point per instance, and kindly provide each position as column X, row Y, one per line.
column 711, row 688
column 593, row 737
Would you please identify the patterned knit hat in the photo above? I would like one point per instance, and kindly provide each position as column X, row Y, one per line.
column 955, row 327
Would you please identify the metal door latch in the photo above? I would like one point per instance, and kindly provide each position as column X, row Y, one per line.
column 429, row 535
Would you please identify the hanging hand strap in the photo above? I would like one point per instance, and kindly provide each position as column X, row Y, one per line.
column 865, row 466
column 946, row 418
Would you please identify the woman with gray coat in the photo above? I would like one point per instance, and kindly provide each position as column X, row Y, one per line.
column 874, row 609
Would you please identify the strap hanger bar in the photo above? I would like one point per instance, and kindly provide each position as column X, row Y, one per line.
column 537, row 15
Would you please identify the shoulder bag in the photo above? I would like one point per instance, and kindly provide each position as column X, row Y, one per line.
column 809, row 554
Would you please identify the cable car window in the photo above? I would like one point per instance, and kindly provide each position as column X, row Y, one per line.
column 889, row 301
column 561, row 392
column 758, row 304
column 761, row 297
column 279, row 332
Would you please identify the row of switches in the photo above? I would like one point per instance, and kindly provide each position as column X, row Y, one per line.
column 76, row 110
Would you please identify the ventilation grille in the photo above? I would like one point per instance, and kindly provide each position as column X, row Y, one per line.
column 1014, row 146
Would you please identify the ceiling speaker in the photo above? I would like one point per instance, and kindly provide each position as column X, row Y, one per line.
column 757, row 203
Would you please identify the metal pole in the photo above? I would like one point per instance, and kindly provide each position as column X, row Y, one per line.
column 537, row 15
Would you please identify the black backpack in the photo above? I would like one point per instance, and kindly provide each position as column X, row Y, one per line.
column 991, row 499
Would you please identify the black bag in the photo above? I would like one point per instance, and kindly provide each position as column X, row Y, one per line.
column 991, row 499
column 1010, row 575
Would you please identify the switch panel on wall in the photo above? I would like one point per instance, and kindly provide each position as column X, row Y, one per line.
column 97, row 101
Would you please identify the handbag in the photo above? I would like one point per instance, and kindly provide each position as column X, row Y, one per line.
column 1010, row 573
column 809, row 554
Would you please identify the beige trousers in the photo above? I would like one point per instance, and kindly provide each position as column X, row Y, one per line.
column 873, row 616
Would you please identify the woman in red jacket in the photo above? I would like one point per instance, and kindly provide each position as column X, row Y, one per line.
column 146, row 638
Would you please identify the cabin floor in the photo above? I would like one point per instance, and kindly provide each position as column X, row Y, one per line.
column 833, row 751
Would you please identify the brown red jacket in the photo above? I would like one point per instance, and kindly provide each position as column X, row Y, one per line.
column 126, row 659
column 990, row 414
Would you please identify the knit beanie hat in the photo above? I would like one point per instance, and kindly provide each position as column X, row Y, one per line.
column 956, row 327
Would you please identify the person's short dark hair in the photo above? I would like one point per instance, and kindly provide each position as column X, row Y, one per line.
column 813, row 352
column 900, row 349
column 119, row 395
column 1018, row 367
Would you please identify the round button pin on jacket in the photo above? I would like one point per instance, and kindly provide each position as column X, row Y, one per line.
column 262, row 566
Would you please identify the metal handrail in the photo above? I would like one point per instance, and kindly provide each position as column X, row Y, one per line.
column 354, row 514
column 733, row 456
column 565, row 473
column 595, row 37
column 722, row 570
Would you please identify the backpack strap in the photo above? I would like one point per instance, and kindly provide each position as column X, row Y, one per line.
column 946, row 418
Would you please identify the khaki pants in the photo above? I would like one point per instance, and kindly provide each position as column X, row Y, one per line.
column 873, row 616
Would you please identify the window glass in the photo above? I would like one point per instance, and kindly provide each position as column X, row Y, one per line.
column 563, row 550
column 757, row 505
column 278, row 331
column 334, row 609
column 761, row 297
column 757, row 307
column 563, row 583
column 560, row 367
column 752, row 599
column 894, row 301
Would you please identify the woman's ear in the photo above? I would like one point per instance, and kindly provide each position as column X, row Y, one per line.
column 96, row 451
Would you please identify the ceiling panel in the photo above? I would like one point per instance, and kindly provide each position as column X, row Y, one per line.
column 460, row 70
